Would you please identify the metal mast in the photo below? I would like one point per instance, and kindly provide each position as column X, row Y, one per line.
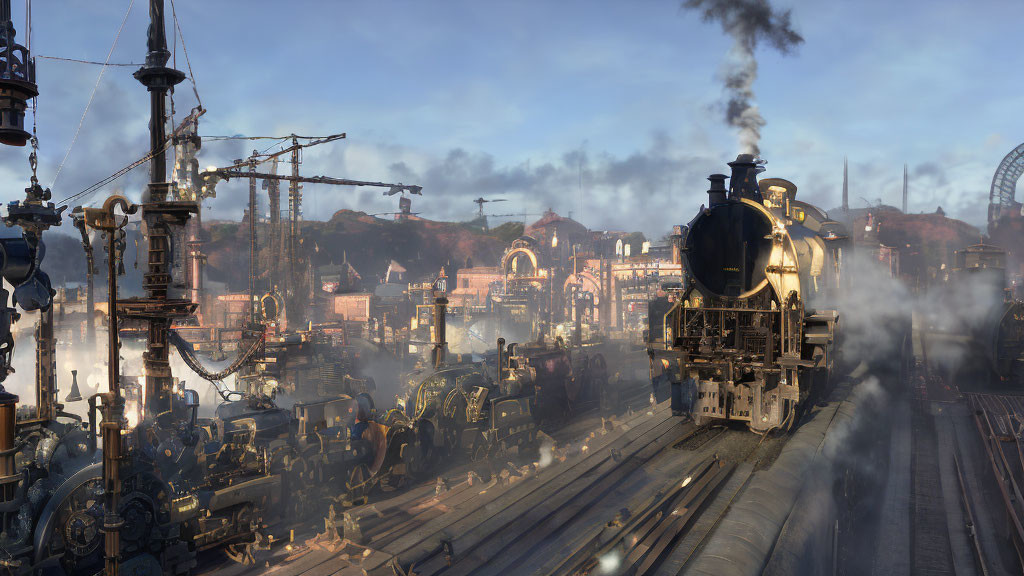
column 294, row 290
column 252, row 240
column 159, row 215
column 904, row 188
column 274, row 197
column 846, row 188
column 78, row 219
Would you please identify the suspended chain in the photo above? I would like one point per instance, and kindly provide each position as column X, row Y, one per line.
column 188, row 355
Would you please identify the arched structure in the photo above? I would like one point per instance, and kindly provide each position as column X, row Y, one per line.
column 521, row 264
column 1002, row 198
column 586, row 279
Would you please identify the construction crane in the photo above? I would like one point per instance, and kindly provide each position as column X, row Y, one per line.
column 480, row 204
column 521, row 215
column 212, row 176
column 401, row 214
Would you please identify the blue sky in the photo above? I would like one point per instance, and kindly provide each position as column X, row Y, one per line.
column 518, row 99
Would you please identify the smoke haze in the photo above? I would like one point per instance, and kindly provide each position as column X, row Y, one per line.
column 747, row 22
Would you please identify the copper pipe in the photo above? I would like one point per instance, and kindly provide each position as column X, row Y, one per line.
column 106, row 220
column 111, row 428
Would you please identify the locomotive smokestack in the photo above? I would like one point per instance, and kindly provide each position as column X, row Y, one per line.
column 501, row 360
column 743, row 182
column 716, row 194
column 440, row 343
column 677, row 239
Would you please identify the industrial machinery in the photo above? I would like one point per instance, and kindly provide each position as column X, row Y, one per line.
column 497, row 406
column 754, row 326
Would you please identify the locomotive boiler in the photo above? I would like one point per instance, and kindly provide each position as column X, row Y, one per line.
column 753, row 328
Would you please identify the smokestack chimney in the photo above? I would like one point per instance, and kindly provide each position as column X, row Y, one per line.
column 743, row 182
column 904, row 188
column 440, row 344
column 716, row 194
column 75, row 395
column 846, row 187
column 677, row 242
column 501, row 360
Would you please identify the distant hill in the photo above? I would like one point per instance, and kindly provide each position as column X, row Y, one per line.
column 367, row 242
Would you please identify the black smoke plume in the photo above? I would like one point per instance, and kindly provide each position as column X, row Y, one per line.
column 747, row 22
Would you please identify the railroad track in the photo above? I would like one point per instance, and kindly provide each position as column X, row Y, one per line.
column 643, row 497
column 1000, row 422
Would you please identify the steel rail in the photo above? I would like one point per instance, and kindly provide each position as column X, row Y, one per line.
column 990, row 441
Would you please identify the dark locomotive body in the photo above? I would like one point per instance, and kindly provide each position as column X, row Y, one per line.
column 988, row 323
column 498, row 406
column 753, row 329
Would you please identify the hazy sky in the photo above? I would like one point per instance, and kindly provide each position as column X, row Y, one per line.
column 527, row 100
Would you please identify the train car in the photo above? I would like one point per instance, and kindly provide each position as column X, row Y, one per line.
column 754, row 326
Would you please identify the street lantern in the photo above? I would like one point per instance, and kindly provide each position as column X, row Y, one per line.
column 17, row 82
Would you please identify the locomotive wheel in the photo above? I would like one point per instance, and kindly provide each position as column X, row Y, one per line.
column 451, row 436
column 69, row 528
column 358, row 486
column 298, row 470
column 73, row 529
column 423, row 455
column 480, row 450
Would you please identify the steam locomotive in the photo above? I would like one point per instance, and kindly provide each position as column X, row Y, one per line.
column 484, row 408
column 754, row 326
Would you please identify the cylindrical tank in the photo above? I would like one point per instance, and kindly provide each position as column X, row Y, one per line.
column 8, row 477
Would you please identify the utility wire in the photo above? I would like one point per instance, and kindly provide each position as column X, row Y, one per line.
column 184, row 49
column 288, row 137
column 112, row 177
column 62, row 59
column 278, row 143
column 93, row 95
